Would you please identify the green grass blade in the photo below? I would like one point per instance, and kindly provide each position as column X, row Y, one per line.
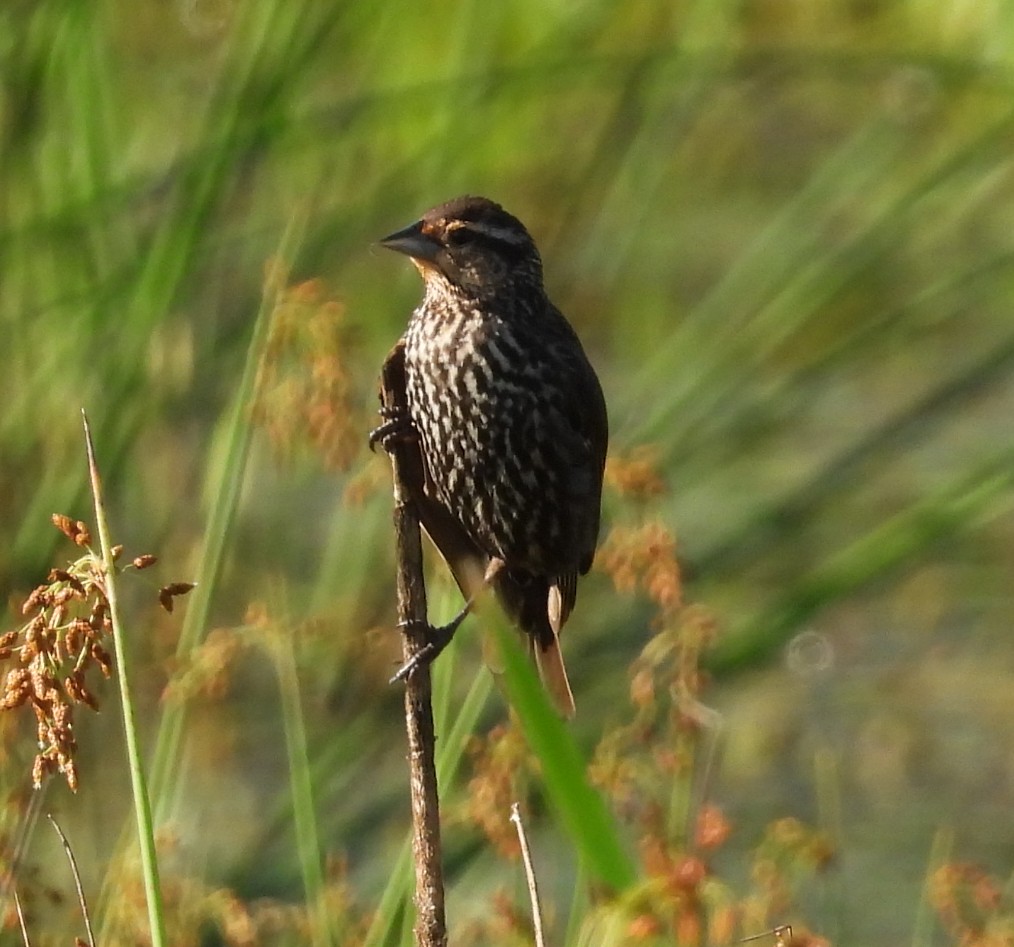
column 984, row 494
column 138, row 784
column 226, row 477
column 308, row 849
column 581, row 809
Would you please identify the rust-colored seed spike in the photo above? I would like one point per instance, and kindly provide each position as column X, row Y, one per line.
column 65, row 524
column 39, row 598
column 75, row 530
column 509, row 417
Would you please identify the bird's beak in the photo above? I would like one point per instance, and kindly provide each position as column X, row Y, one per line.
column 413, row 242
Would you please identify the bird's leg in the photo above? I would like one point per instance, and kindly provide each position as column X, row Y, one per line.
column 396, row 427
column 438, row 638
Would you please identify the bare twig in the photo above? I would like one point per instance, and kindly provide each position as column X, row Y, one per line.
column 779, row 933
column 21, row 920
column 431, row 926
column 533, row 888
column 77, row 878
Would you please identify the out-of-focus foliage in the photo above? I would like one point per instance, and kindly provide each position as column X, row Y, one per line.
column 785, row 231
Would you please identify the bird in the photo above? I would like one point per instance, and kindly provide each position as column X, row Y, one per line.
column 510, row 422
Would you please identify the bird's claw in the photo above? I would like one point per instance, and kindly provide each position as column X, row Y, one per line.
column 397, row 426
column 437, row 638
column 423, row 656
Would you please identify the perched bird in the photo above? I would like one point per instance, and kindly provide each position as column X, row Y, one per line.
column 510, row 421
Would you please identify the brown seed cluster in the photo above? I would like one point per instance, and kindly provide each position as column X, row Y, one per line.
column 644, row 558
column 306, row 399
column 47, row 662
column 50, row 655
column 976, row 908
column 501, row 764
column 636, row 475
column 660, row 755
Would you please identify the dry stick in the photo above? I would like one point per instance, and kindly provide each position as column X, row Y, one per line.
column 77, row 878
column 21, row 920
column 776, row 932
column 430, row 926
column 533, row 888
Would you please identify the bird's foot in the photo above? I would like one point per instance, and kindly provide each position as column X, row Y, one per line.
column 437, row 638
column 397, row 427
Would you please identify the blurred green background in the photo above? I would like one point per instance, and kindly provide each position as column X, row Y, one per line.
column 784, row 230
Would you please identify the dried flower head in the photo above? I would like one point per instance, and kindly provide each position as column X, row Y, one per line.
column 306, row 398
column 208, row 669
column 636, row 475
column 972, row 905
column 76, row 531
column 46, row 663
column 500, row 761
column 52, row 652
column 643, row 557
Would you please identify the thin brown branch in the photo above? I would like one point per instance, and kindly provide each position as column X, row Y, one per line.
column 431, row 926
column 778, row 933
column 77, row 879
column 533, row 887
column 21, row 920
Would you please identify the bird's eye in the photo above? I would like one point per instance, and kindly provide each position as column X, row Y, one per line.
column 459, row 236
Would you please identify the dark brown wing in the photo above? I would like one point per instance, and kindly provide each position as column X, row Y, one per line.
column 581, row 444
column 591, row 424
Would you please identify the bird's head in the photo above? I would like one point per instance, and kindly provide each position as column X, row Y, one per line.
column 470, row 245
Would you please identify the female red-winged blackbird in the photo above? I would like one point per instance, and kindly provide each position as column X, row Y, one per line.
column 510, row 421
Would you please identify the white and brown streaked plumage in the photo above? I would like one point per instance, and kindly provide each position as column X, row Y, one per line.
column 510, row 420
